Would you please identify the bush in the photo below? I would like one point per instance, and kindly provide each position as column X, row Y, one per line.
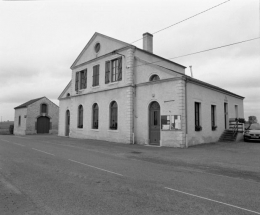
column 11, row 129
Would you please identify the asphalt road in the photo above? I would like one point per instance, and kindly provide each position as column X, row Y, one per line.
column 59, row 176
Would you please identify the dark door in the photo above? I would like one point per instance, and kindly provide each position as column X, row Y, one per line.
column 43, row 125
column 154, row 123
column 67, row 132
column 226, row 114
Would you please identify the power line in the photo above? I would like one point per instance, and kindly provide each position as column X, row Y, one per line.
column 206, row 50
column 185, row 19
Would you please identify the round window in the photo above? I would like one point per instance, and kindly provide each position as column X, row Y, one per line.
column 97, row 47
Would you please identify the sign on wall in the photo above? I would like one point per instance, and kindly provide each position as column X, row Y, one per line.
column 171, row 122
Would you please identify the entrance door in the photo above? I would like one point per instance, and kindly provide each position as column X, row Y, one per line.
column 226, row 114
column 43, row 125
column 154, row 123
column 67, row 132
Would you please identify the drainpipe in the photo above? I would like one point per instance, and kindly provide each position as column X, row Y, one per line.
column 134, row 97
column 186, row 115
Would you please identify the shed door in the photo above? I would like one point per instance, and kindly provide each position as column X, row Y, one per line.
column 43, row 125
column 154, row 123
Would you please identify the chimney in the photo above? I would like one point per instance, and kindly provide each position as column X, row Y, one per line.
column 191, row 71
column 148, row 42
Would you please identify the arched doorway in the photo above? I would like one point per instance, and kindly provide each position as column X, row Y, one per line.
column 43, row 125
column 154, row 123
column 67, row 126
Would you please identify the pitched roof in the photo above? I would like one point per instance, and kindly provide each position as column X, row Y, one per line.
column 24, row 105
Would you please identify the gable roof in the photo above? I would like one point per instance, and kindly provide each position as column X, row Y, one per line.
column 90, row 41
column 24, row 105
column 73, row 66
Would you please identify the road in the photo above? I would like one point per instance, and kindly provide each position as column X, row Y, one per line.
column 59, row 176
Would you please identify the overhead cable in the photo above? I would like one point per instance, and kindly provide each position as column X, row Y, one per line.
column 184, row 19
column 206, row 50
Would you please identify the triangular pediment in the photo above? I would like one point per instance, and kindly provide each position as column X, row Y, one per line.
column 107, row 45
column 66, row 92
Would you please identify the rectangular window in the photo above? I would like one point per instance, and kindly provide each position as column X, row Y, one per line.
column 83, row 79
column 95, row 75
column 213, row 117
column 197, row 116
column 44, row 108
column 19, row 120
column 115, row 66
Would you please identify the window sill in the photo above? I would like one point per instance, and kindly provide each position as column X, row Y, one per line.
column 113, row 130
column 171, row 130
column 94, row 129
column 113, row 83
column 93, row 87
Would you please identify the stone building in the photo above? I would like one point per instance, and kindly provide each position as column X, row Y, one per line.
column 125, row 94
column 36, row 116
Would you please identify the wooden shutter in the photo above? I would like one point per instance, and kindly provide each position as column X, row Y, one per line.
column 107, row 72
column 85, row 78
column 94, row 74
column 97, row 77
column 77, row 81
column 119, row 69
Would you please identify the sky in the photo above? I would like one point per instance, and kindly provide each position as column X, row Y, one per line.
column 39, row 41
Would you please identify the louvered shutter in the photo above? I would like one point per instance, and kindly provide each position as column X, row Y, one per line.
column 119, row 69
column 77, row 82
column 94, row 75
column 107, row 72
column 85, row 78
column 97, row 77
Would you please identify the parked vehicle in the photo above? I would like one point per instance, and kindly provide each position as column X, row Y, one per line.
column 252, row 132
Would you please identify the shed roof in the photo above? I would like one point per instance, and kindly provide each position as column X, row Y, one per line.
column 24, row 105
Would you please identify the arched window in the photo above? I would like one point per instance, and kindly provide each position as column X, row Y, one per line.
column 113, row 115
column 95, row 116
column 44, row 108
column 154, row 78
column 80, row 116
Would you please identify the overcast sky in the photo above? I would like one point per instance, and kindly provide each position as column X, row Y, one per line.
column 39, row 41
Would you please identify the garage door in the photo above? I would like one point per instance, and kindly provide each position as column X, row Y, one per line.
column 43, row 125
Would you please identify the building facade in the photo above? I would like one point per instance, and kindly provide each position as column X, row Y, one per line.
column 124, row 94
column 37, row 116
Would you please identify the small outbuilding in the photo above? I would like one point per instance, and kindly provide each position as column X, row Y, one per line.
column 37, row 116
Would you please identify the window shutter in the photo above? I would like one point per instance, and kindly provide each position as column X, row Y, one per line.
column 119, row 69
column 85, row 78
column 77, row 81
column 94, row 76
column 97, row 81
column 107, row 72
